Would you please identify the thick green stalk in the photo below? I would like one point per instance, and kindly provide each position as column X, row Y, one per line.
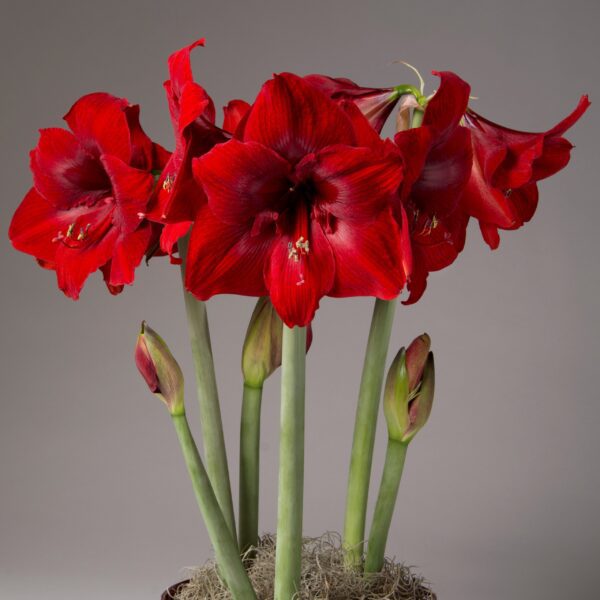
column 364, row 430
column 226, row 550
column 208, row 397
column 249, row 466
column 386, row 501
column 291, row 464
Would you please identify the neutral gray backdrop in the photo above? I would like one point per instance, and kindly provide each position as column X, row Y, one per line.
column 500, row 495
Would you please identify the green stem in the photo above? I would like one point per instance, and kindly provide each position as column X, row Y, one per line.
column 249, row 466
column 208, row 398
column 417, row 117
column 386, row 501
column 226, row 550
column 291, row 464
column 364, row 430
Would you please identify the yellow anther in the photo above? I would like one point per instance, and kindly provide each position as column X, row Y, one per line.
column 70, row 230
column 168, row 183
column 302, row 245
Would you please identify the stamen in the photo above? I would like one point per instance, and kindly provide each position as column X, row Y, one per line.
column 508, row 193
column 83, row 232
column 168, row 183
column 141, row 215
column 70, row 230
column 302, row 245
column 292, row 252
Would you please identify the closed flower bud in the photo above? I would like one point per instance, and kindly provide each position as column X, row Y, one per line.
column 261, row 355
column 408, row 395
column 159, row 369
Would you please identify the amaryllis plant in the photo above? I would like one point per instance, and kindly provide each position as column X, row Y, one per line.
column 291, row 198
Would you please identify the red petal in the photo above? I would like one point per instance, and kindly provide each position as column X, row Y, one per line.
column 296, row 286
column 490, row 235
column 569, row 121
column 447, row 107
column 74, row 264
column 486, row 203
column 180, row 66
column 353, row 183
column 132, row 189
column 375, row 104
column 225, row 259
column 242, row 179
column 100, row 124
column 35, row 225
column 127, row 255
column 435, row 246
column 234, row 112
column 64, row 173
column 295, row 119
column 444, row 175
column 142, row 148
column 368, row 260
column 170, row 235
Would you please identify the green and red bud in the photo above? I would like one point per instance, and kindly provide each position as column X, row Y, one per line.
column 261, row 355
column 409, row 388
column 159, row 369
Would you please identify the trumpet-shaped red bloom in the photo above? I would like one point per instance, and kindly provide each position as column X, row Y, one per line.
column 376, row 104
column 178, row 195
column 435, row 178
column 297, row 207
column 91, row 189
column 502, row 191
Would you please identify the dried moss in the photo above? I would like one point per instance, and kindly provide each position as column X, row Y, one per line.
column 324, row 576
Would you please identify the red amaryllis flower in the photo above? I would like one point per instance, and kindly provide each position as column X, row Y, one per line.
column 91, row 189
column 297, row 209
column 376, row 104
column 178, row 196
column 502, row 191
column 436, row 171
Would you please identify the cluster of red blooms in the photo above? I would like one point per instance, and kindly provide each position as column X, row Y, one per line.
column 294, row 197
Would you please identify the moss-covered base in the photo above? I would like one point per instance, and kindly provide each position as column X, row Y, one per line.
column 324, row 577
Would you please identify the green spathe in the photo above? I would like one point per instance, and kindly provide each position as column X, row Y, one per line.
column 261, row 355
column 408, row 399
column 160, row 369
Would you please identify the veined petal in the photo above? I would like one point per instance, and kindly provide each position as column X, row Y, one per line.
column 485, row 203
column 353, row 184
column 242, row 179
column 299, row 276
column 295, row 119
column 64, row 173
column 35, row 226
column 132, row 189
column 180, row 66
column 170, row 235
column 100, row 124
column 368, row 259
column 225, row 258
column 127, row 254
column 74, row 260
column 447, row 107
column 142, row 148
column 444, row 175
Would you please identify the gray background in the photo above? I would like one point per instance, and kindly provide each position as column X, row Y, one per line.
column 500, row 494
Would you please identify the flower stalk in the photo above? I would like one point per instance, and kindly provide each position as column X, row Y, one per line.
column 226, row 550
column 291, row 464
column 364, row 430
column 249, row 466
column 208, row 397
column 386, row 501
column 408, row 399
